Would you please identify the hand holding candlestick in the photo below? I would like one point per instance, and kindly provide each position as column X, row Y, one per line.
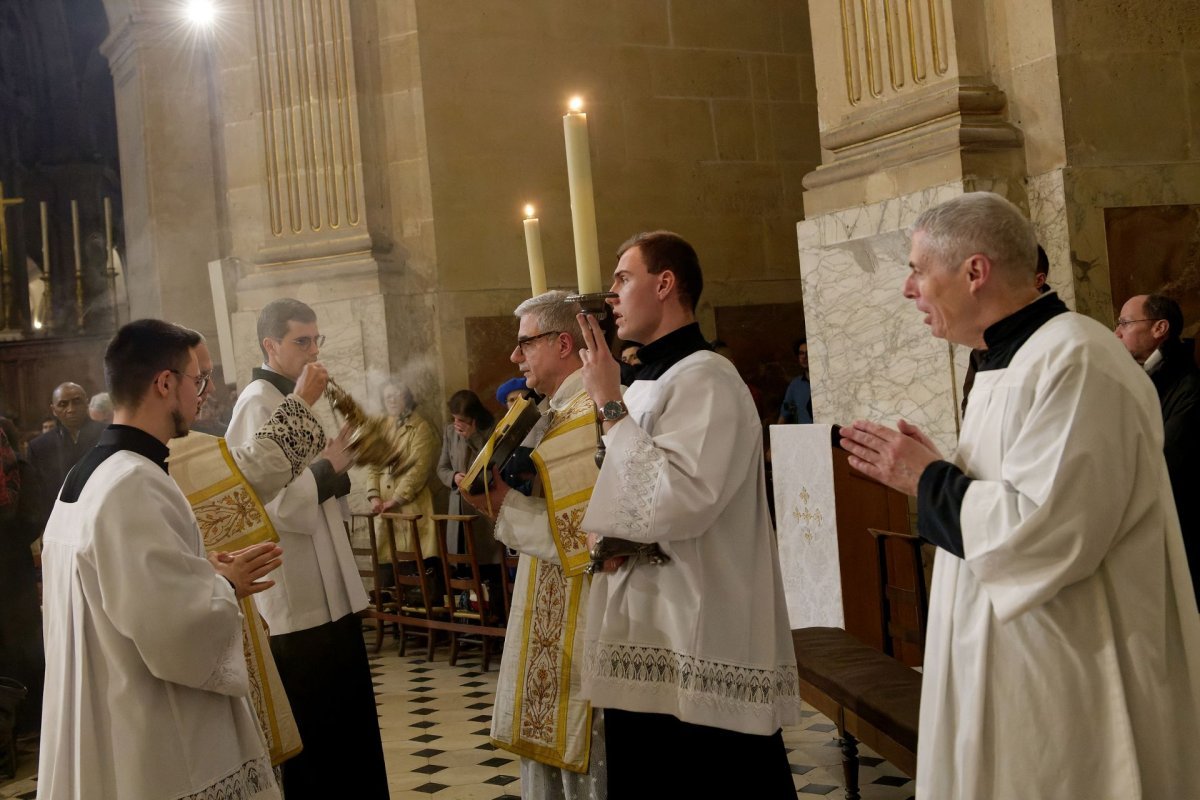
column 602, row 380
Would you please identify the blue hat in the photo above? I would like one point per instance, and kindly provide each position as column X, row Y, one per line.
column 508, row 387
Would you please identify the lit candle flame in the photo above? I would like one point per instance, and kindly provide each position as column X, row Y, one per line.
column 529, row 209
column 576, row 104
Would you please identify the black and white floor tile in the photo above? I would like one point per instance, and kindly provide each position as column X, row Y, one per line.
column 434, row 721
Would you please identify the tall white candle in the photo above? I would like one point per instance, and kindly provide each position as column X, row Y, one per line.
column 533, row 249
column 583, row 201
column 79, row 310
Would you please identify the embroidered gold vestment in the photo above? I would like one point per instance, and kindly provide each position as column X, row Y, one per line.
column 231, row 517
column 547, row 720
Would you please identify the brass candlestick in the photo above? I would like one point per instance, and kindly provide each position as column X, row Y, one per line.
column 79, row 310
column 593, row 303
column 48, row 290
column 110, row 269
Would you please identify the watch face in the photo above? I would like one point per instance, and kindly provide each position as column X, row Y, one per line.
column 613, row 410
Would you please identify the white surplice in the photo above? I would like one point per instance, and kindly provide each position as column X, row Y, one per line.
column 705, row 637
column 1063, row 652
column 145, row 676
column 319, row 579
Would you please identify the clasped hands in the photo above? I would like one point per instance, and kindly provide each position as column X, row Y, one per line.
column 244, row 568
column 893, row 457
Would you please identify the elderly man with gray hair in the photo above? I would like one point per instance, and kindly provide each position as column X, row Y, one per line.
column 100, row 408
column 1061, row 596
column 539, row 713
column 1150, row 326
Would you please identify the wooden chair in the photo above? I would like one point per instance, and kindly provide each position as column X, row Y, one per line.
column 508, row 578
column 382, row 603
column 870, row 696
column 903, row 610
column 408, row 612
column 472, row 583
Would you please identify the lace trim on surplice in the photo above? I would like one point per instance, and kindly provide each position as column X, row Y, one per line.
column 243, row 783
column 296, row 431
column 692, row 675
column 640, row 471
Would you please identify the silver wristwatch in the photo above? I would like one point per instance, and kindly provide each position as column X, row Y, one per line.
column 613, row 410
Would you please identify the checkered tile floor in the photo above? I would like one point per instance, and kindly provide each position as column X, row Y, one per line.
column 434, row 721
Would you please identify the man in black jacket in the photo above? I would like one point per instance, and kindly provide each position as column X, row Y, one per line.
column 1149, row 326
column 21, row 517
column 54, row 453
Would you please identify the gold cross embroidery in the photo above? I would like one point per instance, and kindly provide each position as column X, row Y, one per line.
column 806, row 516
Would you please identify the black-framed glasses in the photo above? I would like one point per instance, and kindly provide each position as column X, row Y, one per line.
column 1121, row 323
column 522, row 341
column 306, row 342
column 201, row 381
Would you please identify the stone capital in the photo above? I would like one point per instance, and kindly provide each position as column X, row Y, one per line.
column 904, row 103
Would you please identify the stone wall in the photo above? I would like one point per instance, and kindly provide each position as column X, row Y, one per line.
column 702, row 119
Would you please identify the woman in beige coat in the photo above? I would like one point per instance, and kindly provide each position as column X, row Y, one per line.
column 405, row 489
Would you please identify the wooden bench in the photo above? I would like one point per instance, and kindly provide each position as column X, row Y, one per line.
column 871, row 697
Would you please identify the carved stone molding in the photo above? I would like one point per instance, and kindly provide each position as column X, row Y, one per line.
column 965, row 115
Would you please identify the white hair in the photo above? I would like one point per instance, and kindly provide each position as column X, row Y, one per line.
column 981, row 222
column 553, row 313
column 101, row 402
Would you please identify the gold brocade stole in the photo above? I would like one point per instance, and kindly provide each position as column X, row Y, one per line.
column 552, row 725
column 566, row 464
column 231, row 517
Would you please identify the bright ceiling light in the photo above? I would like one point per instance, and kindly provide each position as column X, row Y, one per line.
column 200, row 12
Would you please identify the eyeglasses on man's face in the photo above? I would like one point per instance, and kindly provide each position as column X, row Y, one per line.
column 523, row 342
column 306, row 342
column 201, row 380
column 1121, row 323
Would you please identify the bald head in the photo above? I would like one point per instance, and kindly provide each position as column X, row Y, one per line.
column 69, row 404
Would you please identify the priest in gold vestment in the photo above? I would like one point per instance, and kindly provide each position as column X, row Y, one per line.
column 226, row 488
column 539, row 714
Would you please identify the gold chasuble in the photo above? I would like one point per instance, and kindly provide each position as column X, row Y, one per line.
column 231, row 517
column 547, row 720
